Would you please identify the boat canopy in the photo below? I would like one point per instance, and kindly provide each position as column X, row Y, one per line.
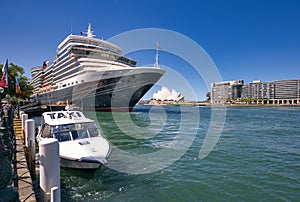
column 64, row 117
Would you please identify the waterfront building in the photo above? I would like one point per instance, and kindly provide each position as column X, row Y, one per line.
column 287, row 92
column 165, row 96
column 258, row 91
column 282, row 92
column 225, row 91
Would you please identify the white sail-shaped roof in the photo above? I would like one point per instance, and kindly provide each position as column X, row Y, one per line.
column 166, row 95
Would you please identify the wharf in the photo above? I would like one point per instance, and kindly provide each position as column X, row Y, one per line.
column 17, row 183
column 22, row 176
column 22, row 179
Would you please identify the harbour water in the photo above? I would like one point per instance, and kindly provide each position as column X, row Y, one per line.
column 257, row 158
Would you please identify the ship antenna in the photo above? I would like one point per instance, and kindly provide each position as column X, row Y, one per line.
column 71, row 26
column 156, row 56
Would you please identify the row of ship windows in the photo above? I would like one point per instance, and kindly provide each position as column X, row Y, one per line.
column 49, row 80
column 91, row 42
column 93, row 48
column 49, row 76
column 62, row 56
column 106, row 56
column 64, row 85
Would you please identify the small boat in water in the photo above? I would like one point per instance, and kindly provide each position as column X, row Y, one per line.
column 81, row 145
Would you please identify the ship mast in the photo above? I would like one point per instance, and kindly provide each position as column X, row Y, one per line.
column 89, row 33
column 156, row 56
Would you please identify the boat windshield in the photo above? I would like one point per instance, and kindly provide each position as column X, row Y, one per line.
column 71, row 131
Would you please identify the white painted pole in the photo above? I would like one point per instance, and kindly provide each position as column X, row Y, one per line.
column 55, row 194
column 49, row 168
column 30, row 143
column 29, row 133
column 24, row 118
column 20, row 114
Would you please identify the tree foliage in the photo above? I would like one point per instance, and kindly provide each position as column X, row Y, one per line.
column 13, row 72
column 208, row 96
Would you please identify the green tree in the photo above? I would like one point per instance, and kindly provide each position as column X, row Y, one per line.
column 208, row 96
column 228, row 99
column 13, row 72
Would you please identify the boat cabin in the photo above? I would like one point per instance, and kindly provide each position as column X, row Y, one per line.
column 67, row 125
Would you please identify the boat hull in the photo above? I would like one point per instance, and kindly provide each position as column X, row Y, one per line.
column 113, row 91
column 81, row 165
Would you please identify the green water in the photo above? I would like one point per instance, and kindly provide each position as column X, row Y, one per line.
column 257, row 157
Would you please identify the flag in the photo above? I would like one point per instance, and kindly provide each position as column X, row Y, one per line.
column 18, row 89
column 4, row 79
column 44, row 65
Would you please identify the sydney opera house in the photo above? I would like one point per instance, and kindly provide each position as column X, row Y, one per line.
column 165, row 96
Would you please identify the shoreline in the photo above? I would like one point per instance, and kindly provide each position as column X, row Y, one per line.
column 222, row 105
column 256, row 105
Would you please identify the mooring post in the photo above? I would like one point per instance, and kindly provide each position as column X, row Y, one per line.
column 55, row 194
column 29, row 131
column 24, row 118
column 30, row 144
column 20, row 114
column 49, row 169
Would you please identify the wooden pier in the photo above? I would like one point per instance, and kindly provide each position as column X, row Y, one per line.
column 22, row 179
column 18, row 178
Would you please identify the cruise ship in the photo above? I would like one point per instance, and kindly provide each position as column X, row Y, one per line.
column 92, row 74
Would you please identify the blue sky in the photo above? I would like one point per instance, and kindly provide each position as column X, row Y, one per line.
column 247, row 40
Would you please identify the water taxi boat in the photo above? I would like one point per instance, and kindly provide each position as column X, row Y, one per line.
column 81, row 145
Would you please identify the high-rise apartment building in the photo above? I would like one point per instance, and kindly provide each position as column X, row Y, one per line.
column 224, row 91
column 257, row 92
